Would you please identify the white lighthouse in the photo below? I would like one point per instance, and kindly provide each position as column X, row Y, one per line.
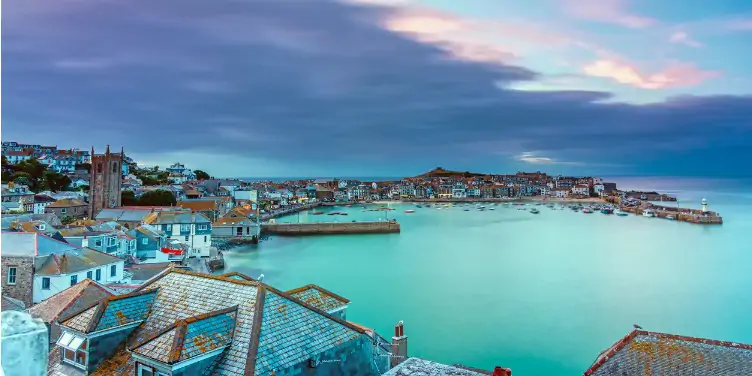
column 704, row 205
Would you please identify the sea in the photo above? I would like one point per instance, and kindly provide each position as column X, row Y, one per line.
column 541, row 294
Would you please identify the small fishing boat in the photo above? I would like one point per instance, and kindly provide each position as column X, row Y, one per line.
column 334, row 213
column 409, row 211
column 648, row 213
column 491, row 209
column 534, row 211
column 670, row 217
column 620, row 213
column 607, row 211
column 587, row 211
column 418, row 206
column 466, row 209
column 317, row 213
column 342, row 213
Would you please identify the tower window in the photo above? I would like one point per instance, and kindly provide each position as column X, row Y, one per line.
column 114, row 167
column 99, row 168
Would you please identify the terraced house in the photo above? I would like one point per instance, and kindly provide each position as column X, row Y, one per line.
column 187, row 323
column 192, row 229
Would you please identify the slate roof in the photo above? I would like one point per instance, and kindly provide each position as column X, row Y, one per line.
column 66, row 203
column 11, row 304
column 198, row 205
column 650, row 353
column 51, row 218
column 191, row 337
column 126, row 215
column 174, row 218
column 238, row 276
column 50, row 309
column 422, row 367
column 318, row 297
column 72, row 261
column 113, row 311
column 272, row 330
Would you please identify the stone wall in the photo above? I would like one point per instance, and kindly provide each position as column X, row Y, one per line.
column 22, row 290
column 293, row 229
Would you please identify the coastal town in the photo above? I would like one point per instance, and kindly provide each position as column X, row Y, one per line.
column 119, row 267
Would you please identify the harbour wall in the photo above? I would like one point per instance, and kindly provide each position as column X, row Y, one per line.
column 330, row 228
column 283, row 212
column 680, row 214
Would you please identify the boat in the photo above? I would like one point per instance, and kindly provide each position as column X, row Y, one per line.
column 671, row 217
column 491, row 209
column 607, row 211
column 317, row 213
column 418, row 206
column 342, row 213
column 587, row 211
column 334, row 213
column 534, row 211
column 409, row 211
column 648, row 213
column 466, row 209
column 620, row 213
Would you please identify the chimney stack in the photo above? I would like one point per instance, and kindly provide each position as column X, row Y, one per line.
column 399, row 346
column 498, row 371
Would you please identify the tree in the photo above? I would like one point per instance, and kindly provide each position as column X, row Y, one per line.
column 128, row 198
column 84, row 188
column 155, row 169
column 66, row 220
column 158, row 197
column 22, row 178
column 55, row 181
column 201, row 175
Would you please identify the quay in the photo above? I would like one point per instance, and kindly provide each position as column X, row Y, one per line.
column 331, row 228
column 283, row 212
column 699, row 216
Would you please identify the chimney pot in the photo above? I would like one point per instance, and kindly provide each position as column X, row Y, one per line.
column 498, row 371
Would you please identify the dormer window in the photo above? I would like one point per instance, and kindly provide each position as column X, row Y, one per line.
column 74, row 349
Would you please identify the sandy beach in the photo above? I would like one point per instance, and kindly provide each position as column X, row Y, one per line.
column 521, row 199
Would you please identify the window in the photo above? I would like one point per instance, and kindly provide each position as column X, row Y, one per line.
column 73, row 280
column 99, row 168
column 112, row 241
column 202, row 227
column 185, row 227
column 63, row 210
column 99, row 274
column 114, row 168
column 113, row 270
column 144, row 370
column 186, row 237
column 45, row 283
column 74, row 349
column 168, row 228
column 12, row 275
column 98, row 243
column 205, row 238
column 144, row 241
column 89, row 274
column 132, row 244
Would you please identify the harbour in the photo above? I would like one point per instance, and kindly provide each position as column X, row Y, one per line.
column 331, row 228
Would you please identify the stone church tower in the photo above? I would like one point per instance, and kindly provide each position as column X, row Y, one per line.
column 105, row 182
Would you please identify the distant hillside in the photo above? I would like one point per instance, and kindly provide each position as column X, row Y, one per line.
column 439, row 172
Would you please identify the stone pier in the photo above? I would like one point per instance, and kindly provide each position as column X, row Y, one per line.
column 330, row 228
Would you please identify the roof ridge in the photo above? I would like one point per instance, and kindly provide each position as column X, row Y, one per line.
column 320, row 289
column 258, row 317
column 314, row 309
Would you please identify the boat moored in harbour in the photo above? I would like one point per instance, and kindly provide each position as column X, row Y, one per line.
column 648, row 213
column 620, row 213
column 534, row 211
column 409, row 211
column 587, row 211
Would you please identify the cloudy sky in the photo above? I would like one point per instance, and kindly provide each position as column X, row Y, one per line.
column 386, row 87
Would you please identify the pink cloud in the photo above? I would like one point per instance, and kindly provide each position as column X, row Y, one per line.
column 681, row 37
column 606, row 11
column 675, row 75
column 468, row 38
column 741, row 25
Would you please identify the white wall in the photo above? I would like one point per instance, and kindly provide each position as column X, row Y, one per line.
column 62, row 282
column 200, row 247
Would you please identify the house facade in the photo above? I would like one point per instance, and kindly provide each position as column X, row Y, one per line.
column 69, row 207
column 57, row 272
column 192, row 229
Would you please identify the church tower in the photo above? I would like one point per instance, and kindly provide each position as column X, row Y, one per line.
column 105, row 182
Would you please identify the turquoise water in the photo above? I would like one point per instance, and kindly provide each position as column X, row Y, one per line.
column 542, row 294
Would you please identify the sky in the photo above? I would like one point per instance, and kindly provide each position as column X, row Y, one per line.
column 276, row 88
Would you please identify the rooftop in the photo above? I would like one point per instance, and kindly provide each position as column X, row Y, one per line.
column 318, row 297
column 422, row 367
column 650, row 353
column 31, row 244
column 72, row 261
column 85, row 292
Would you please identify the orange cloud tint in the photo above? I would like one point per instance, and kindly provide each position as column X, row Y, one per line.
column 676, row 75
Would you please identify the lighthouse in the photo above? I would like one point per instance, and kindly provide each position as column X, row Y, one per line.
column 704, row 205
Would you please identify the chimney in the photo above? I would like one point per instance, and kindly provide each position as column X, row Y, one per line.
column 498, row 371
column 399, row 346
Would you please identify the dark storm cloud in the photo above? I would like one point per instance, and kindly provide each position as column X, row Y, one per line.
column 260, row 77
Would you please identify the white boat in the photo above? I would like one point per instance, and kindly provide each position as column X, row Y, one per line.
column 409, row 211
column 620, row 213
column 671, row 217
column 648, row 213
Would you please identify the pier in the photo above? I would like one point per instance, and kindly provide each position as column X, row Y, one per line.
column 331, row 228
column 699, row 216
column 283, row 212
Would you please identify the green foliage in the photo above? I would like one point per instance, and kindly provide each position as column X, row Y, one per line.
column 36, row 175
column 128, row 198
column 84, row 188
column 23, row 178
column 201, row 175
column 66, row 220
column 158, row 197
column 56, row 181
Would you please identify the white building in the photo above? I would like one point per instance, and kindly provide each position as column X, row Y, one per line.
column 192, row 229
column 56, row 272
column 581, row 189
column 560, row 192
column 245, row 194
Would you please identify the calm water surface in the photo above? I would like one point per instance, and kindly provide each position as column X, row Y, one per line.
column 542, row 294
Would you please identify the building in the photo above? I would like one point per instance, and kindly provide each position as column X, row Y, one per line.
column 68, row 301
column 649, row 353
column 20, row 250
column 68, row 207
column 560, row 192
column 322, row 299
column 235, row 227
column 192, row 229
column 581, row 190
column 57, row 272
column 105, row 181
column 188, row 323
column 38, row 204
column 422, row 367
